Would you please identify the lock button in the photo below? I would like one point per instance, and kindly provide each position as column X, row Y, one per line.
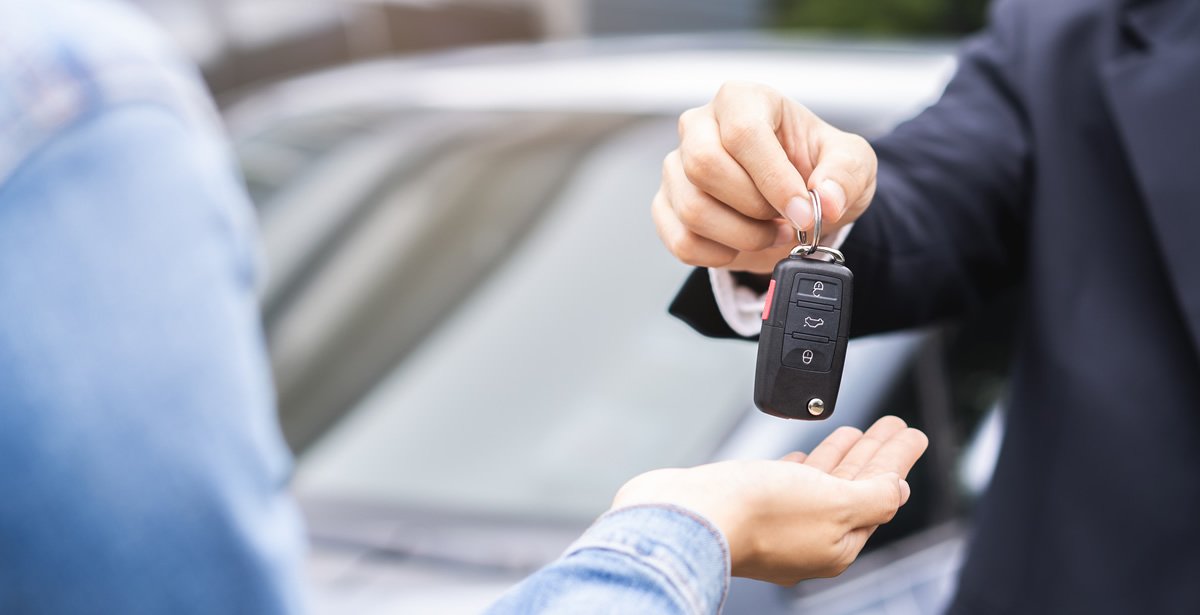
column 808, row 355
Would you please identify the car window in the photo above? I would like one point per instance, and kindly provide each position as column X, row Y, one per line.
column 560, row 375
column 280, row 154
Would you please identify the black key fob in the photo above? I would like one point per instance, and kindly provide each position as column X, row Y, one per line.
column 805, row 329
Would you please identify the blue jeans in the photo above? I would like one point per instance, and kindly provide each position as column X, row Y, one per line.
column 141, row 465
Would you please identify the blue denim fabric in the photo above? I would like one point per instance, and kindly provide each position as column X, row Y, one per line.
column 141, row 465
column 642, row 559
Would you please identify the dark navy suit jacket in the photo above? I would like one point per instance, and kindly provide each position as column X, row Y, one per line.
column 1063, row 161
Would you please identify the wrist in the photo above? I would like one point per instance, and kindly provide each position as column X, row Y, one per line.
column 732, row 516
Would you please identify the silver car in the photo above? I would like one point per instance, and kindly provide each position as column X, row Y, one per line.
column 466, row 307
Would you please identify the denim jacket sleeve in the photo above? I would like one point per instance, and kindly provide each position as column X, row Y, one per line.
column 643, row 559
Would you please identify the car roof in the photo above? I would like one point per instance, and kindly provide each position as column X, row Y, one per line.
column 638, row 75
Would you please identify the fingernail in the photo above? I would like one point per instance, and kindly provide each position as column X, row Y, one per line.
column 799, row 212
column 905, row 491
column 833, row 201
column 785, row 236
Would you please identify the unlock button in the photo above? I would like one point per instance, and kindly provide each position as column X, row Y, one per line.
column 816, row 290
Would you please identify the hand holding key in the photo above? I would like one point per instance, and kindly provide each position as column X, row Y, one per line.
column 739, row 181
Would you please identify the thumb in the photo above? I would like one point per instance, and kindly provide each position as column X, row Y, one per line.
column 844, row 175
column 874, row 501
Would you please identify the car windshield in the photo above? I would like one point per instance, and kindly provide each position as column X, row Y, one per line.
column 559, row 376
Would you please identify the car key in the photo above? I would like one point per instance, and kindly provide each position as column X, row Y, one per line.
column 805, row 330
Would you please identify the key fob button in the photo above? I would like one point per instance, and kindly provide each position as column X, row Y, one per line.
column 808, row 355
column 812, row 321
column 816, row 290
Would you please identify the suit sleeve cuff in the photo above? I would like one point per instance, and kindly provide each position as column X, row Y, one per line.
column 739, row 305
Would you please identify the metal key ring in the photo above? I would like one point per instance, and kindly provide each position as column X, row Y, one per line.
column 808, row 249
column 815, row 200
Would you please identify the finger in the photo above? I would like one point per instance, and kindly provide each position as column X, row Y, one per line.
column 764, row 262
column 748, row 118
column 684, row 244
column 865, row 448
column 709, row 218
column 873, row 501
column 897, row 455
column 854, row 541
column 710, row 168
column 795, row 457
column 829, row 453
column 844, row 173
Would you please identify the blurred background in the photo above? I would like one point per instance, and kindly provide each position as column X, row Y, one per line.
column 466, row 302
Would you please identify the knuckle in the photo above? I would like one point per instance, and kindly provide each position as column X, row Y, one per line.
column 679, row 246
column 854, row 142
column 846, row 432
column 754, row 243
column 860, row 154
column 757, row 207
column 847, row 470
column 686, row 119
column 701, row 163
column 691, row 212
column 730, row 88
column 736, row 88
column 696, row 256
column 771, row 179
column 668, row 165
column 686, row 250
column 752, row 240
column 739, row 133
column 719, row 260
column 866, row 152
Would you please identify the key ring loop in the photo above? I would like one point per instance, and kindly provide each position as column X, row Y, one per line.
column 808, row 249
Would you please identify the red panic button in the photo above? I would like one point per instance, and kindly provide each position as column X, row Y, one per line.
column 770, row 299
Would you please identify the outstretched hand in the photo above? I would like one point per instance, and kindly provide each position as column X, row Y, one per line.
column 800, row 517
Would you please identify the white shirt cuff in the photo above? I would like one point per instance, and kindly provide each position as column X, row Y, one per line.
column 742, row 307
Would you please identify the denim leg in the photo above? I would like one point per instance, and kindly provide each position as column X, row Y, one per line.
column 141, row 465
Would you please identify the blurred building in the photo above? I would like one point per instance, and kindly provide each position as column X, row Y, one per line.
column 624, row 16
column 245, row 42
